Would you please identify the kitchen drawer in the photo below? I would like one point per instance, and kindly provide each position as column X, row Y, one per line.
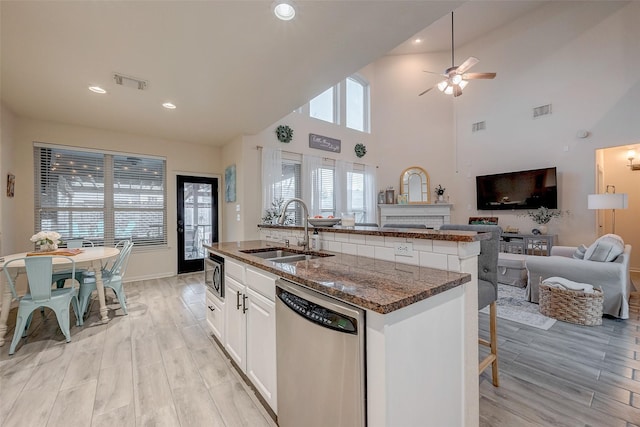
column 234, row 269
column 215, row 316
column 262, row 282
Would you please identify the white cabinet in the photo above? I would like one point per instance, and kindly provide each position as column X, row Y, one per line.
column 215, row 316
column 261, row 345
column 235, row 322
column 250, row 327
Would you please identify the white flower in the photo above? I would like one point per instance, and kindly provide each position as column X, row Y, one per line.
column 42, row 237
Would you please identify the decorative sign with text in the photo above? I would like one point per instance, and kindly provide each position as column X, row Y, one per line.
column 324, row 143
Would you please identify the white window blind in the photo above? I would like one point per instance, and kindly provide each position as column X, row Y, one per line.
column 99, row 196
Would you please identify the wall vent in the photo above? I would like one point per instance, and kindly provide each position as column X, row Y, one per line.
column 543, row 110
column 128, row 81
column 478, row 126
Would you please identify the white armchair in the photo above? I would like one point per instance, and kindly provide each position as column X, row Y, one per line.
column 613, row 277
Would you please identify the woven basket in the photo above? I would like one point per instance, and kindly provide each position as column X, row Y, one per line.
column 571, row 306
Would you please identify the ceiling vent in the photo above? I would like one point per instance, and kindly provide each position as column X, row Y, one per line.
column 128, row 81
column 478, row 126
column 543, row 110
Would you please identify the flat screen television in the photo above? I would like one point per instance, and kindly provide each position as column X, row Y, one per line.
column 518, row 190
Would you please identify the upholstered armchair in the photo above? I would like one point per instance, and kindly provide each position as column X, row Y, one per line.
column 612, row 276
column 487, row 288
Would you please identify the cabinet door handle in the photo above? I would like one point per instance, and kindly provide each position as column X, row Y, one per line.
column 238, row 300
column 244, row 306
column 212, row 308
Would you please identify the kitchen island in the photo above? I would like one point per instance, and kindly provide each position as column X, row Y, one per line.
column 421, row 322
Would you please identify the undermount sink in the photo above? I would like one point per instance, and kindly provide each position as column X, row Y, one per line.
column 285, row 255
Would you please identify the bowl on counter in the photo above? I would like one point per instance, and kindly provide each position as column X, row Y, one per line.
column 323, row 222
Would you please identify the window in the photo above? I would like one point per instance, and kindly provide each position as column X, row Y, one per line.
column 324, row 106
column 356, row 96
column 327, row 197
column 98, row 196
column 357, row 104
column 356, row 188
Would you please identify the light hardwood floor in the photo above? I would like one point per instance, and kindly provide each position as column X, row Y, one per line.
column 158, row 366
column 569, row 375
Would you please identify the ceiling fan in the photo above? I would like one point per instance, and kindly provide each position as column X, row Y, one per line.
column 456, row 76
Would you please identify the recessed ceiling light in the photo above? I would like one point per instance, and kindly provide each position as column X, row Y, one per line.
column 417, row 41
column 169, row 106
column 97, row 89
column 284, row 10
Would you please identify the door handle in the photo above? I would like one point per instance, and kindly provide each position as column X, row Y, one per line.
column 244, row 307
column 212, row 308
column 180, row 230
column 238, row 300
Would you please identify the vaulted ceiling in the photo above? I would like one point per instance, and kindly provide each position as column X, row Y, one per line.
column 229, row 66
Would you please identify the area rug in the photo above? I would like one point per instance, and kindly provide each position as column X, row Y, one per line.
column 512, row 305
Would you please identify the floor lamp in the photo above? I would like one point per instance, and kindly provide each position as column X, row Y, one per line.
column 608, row 201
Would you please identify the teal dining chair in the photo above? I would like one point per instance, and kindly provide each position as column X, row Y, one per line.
column 40, row 294
column 112, row 278
column 60, row 277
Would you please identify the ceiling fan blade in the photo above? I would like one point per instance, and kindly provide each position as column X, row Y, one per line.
column 470, row 62
column 433, row 72
column 422, row 93
column 475, row 76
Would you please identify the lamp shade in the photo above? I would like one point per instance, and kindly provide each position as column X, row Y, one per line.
column 607, row 201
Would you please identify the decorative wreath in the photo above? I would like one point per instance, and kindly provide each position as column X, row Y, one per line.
column 284, row 133
column 360, row 150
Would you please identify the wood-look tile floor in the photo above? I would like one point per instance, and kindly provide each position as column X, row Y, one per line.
column 158, row 366
column 569, row 375
column 155, row 367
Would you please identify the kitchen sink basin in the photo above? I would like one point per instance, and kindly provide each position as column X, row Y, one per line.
column 284, row 255
column 273, row 253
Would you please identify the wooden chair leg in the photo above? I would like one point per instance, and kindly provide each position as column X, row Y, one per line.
column 493, row 337
column 492, row 358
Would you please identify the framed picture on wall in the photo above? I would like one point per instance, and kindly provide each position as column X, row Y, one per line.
column 230, row 184
column 11, row 185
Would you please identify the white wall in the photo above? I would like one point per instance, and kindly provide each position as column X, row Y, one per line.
column 582, row 57
column 232, row 154
column 302, row 125
column 7, row 205
column 182, row 158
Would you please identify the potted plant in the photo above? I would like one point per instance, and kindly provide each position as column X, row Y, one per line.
column 543, row 215
column 273, row 213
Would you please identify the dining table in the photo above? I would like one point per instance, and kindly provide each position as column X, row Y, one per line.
column 91, row 257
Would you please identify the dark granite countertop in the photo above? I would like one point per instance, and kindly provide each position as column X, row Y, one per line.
column 409, row 233
column 376, row 285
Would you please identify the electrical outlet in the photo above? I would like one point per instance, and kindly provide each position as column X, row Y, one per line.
column 404, row 249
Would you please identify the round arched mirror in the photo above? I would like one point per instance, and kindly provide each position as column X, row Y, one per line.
column 414, row 182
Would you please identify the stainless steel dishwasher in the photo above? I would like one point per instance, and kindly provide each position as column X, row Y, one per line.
column 320, row 348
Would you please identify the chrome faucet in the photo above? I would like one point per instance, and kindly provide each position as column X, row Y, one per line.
column 305, row 239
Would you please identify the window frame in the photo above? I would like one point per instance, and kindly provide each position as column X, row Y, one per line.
column 110, row 207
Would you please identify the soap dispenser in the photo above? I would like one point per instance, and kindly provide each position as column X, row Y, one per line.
column 315, row 240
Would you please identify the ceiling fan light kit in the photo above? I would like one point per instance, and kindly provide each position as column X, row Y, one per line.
column 456, row 76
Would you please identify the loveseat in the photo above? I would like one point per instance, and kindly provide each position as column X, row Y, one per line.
column 611, row 276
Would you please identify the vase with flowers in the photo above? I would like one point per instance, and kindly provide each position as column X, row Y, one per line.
column 46, row 240
column 543, row 215
column 440, row 193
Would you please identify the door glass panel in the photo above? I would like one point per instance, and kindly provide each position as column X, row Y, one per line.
column 197, row 219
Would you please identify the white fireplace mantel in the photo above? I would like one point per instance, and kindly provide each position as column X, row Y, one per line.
column 431, row 215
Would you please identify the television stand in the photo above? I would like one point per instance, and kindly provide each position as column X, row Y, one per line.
column 527, row 244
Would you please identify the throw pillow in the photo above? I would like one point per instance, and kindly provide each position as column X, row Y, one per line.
column 605, row 249
column 580, row 251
